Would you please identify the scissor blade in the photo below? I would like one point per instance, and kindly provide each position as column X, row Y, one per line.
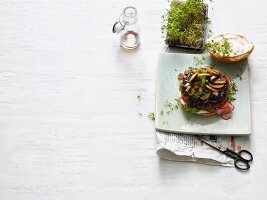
column 212, row 144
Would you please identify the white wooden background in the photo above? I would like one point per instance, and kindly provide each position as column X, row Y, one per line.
column 69, row 124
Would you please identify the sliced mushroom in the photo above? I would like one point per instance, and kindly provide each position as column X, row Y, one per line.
column 205, row 96
column 211, row 88
column 219, row 81
column 204, row 70
column 188, row 88
column 216, row 86
column 209, row 70
column 193, row 77
column 180, row 76
column 200, row 90
column 213, row 71
column 212, row 78
column 204, row 74
column 187, row 84
column 215, row 93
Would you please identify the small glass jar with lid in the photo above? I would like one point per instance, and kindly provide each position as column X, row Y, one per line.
column 128, row 28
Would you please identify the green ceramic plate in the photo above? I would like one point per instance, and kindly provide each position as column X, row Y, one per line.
column 176, row 120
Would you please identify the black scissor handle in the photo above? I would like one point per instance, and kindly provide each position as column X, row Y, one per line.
column 241, row 165
column 241, row 155
column 241, row 162
column 244, row 153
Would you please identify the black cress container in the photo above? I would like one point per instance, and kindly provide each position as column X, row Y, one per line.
column 202, row 46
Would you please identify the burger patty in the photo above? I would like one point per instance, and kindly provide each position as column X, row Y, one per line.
column 209, row 104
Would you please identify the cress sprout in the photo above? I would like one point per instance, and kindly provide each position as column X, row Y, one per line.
column 185, row 23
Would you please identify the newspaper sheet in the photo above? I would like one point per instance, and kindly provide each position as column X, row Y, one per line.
column 182, row 147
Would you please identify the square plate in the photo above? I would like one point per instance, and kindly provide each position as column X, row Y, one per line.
column 169, row 65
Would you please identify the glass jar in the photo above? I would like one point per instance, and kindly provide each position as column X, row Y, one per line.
column 128, row 28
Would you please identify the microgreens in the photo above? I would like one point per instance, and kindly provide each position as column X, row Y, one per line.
column 190, row 109
column 139, row 97
column 198, row 60
column 171, row 106
column 232, row 91
column 184, row 23
column 239, row 76
column 151, row 116
column 223, row 47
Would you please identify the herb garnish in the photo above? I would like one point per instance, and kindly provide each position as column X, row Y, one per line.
column 202, row 80
column 165, row 122
column 231, row 92
column 171, row 106
column 198, row 60
column 139, row 97
column 151, row 116
column 239, row 76
column 190, row 109
column 223, row 48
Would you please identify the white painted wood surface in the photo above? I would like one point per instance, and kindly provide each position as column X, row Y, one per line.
column 68, row 110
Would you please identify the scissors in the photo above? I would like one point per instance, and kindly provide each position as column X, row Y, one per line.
column 241, row 159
